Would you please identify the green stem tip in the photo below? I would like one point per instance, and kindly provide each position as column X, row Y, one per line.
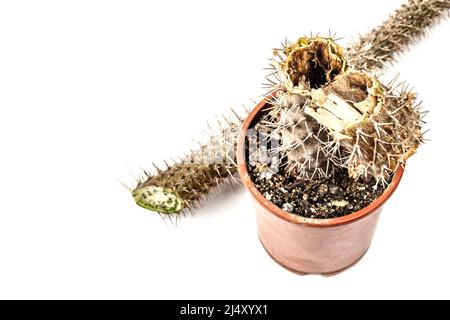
column 159, row 199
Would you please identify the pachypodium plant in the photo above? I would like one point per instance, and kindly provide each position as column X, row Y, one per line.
column 328, row 109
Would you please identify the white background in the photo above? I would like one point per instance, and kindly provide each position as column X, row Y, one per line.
column 92, row 91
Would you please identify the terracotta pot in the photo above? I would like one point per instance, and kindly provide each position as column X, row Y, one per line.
column 306, row 245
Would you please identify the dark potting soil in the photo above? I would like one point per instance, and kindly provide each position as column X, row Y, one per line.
column 332, row 197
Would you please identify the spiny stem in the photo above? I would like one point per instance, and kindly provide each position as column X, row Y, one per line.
column 181, row 186
column 405, row 27
column 190, row 181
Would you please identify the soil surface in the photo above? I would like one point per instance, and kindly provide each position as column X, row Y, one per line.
column 336, row 196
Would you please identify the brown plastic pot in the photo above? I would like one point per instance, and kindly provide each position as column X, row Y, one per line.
column 306, row 245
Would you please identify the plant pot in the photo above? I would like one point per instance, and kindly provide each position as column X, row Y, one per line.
column 307, row 245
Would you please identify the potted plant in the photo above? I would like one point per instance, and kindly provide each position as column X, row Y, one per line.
column 322, row 154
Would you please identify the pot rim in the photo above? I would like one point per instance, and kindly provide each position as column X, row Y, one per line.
column 296, row 219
